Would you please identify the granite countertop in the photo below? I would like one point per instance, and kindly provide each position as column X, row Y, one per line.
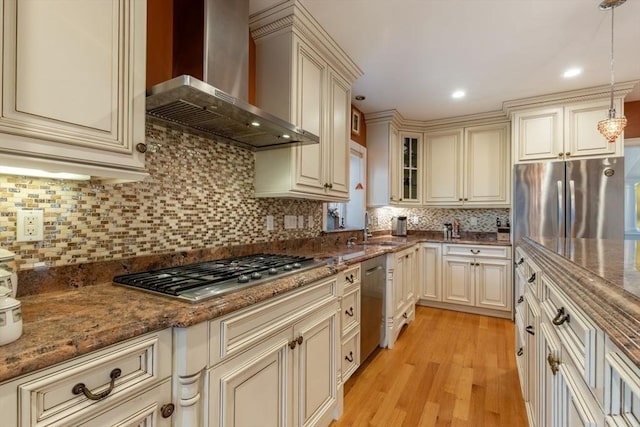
column 602, row 277
column 60, row 325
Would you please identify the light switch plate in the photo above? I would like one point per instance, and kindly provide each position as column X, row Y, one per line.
column 300, row 221
column 310, row 221
column 290, row 222
column 269, row 221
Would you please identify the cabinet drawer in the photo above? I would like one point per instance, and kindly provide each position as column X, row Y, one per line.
column 477, row 251
column 581, row 339
column 350, row 278
column 350, row 355
column 350, row 311
column 238, row 331
column 49, row 399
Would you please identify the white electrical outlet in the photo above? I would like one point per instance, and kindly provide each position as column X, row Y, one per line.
column 290, row 222
column 269, row 222
column 473, row 221
column 300, row 221
column 310, row 221
column 30, row 227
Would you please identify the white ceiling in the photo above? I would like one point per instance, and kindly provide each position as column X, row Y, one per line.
column 415, row 53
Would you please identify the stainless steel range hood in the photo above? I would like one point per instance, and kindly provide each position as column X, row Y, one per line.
column 217, row 105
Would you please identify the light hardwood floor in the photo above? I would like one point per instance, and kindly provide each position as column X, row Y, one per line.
column 446, row 369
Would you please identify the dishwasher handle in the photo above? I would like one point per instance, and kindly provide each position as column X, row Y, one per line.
column 372, row 270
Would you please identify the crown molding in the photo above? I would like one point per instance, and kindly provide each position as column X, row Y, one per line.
column 552, row 99
column 395, row 118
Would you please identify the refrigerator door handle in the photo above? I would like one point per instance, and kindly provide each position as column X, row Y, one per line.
column 572, row 212
column 560, row 210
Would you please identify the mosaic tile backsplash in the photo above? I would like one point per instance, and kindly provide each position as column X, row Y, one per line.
column 483, row 220
column 199, row 195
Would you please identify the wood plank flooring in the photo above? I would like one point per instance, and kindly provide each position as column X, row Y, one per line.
column 446, row 369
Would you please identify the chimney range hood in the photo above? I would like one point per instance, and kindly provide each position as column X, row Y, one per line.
column 217, row 106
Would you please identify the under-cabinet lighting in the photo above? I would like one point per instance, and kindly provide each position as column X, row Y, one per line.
column 458, row 94
column 9, row 170
column 286, row 136
column 255, row 124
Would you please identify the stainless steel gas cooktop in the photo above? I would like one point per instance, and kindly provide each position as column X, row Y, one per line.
column 203, row 280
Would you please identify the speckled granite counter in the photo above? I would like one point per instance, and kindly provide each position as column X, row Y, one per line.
column 60, row 325
column 602, row 277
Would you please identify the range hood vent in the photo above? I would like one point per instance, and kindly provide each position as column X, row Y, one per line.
column 211, row 39
column 197, row 106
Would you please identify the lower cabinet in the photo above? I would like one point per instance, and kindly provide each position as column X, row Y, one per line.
column 429, row 283
column 622, row 385
column 271, row 364
column 128, row 383
column 400, row 294
column 350, row 313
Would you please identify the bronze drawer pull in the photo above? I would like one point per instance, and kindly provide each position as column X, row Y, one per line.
column 349, row 312
column 532, row 278
column 520, row 351
column 521, row 299
column 293, row 344
column 300, row 339
column 529, row 330
column 349, row 278
column 405, row 315
column 80, row 388
column 520, row 261
column 553, row 363
column 349, row 358
column 560, row 317
column 167, row 410
column 475, row 251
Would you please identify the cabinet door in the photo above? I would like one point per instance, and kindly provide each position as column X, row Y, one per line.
column 253, row 388
column 493, row 288
column 410, row 168
column 315, row 371
column 339, row 135
column 547, row 379
column 83, row 102
column 443, row 168
column 538, row 135
column 457, row 280
column 531, row 328
column 430, row 280
column 578, row 408
column 410, row 276
column 581, row 136
column 309, row 159
column 394, row 165
column 399, row 279
column 487, row 165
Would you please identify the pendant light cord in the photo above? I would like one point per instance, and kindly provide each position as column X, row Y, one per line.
column 612, row 111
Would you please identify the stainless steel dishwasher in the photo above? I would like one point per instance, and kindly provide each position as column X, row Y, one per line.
column 371, row 304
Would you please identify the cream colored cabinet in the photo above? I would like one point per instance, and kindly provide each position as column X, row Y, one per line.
column 622, row 379
column 564, row 132
column 304, row 78
column 429, row 283
column 410, row 168
column 400, row 294
column 383, row 152
column 272, row 363
column 134, row 376
column 469, row 166
column 477, row 276
column 80, row 109
column 350, row 281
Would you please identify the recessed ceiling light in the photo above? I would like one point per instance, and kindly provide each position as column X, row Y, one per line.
column 255, row 124
column 458, row 94
column 360, row 97
column 572, row 72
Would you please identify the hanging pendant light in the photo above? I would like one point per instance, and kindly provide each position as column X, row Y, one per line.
column 612, row 127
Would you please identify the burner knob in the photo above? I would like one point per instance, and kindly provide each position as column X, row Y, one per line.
column 256, row 275
column 288, row 267
column 243, row 278
column 297, row 265
column 273, row 270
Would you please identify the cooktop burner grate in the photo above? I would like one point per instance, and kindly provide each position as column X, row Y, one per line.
column 199, row 281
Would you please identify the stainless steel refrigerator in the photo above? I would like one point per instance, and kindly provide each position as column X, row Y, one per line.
column 578, row 198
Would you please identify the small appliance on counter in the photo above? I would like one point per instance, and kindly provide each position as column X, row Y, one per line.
column 10, row 311
column 504, row 234
column 399, row 226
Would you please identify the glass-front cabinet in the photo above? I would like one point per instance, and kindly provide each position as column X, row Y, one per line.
column 410, row 168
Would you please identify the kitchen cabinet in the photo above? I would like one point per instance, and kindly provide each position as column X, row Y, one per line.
column 564, row 132
column 383, row 152
column 478, row 277
column 80, row 109
column 304, row 78
column 135, row 377
column 468, row 166
column 350, row 313
column 429, row 281
column 400, row 295
column 272, row 363
column 410, row 168
column 622, row 378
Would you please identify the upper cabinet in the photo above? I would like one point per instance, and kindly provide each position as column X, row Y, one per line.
column 468, row 166
column 565, row 126
column 303, row 77
column 73, row 87
column 410, row 168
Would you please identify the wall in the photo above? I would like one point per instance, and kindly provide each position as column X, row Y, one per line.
column 199, row 195
column 434, row 218
column 632, row 113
